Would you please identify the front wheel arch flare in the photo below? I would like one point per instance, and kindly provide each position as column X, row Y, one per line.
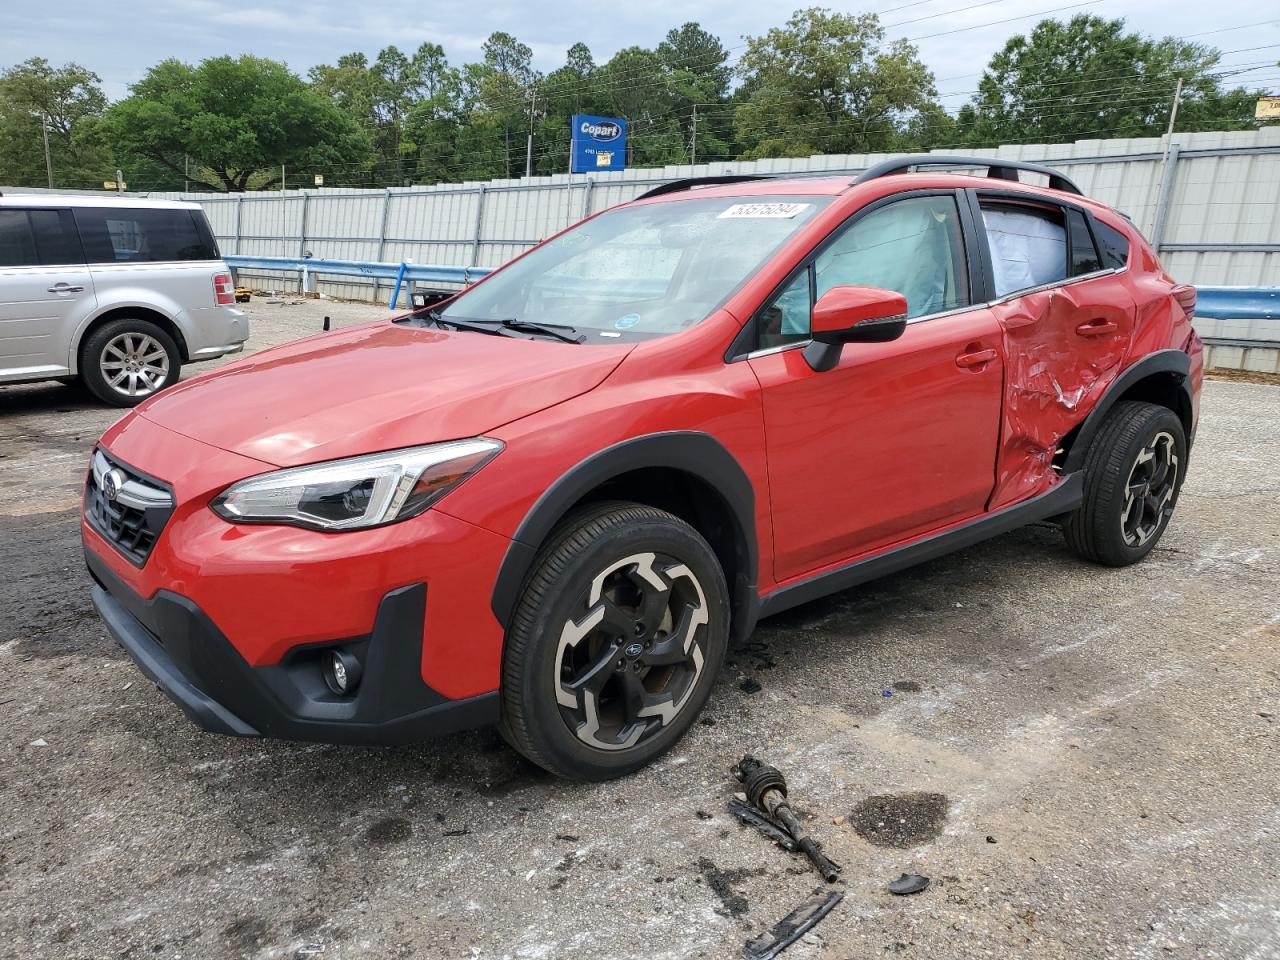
column 699, row 455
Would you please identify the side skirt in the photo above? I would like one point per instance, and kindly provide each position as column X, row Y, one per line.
column 1063, row 498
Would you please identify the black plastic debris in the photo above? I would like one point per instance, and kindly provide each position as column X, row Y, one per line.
column 908, row 883
column 793, row 926
column 769, row 828
column 750, row 685
column 767, row 792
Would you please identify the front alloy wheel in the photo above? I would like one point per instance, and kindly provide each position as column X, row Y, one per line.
column 627, row 666
column 616, row 642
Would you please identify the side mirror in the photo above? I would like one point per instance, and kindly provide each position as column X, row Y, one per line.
column 853, row 315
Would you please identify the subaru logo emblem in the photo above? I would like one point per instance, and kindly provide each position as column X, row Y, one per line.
column 634, row 650
column 112, row 481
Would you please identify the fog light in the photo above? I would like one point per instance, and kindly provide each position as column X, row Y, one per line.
column 341, row 672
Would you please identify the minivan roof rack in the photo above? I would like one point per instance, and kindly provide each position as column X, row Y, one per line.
column 997, row 169
column 690, row 182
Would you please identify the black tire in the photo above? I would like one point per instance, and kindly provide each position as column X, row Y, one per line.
column 1111, row 527
column 540, row 666
column 102, row 347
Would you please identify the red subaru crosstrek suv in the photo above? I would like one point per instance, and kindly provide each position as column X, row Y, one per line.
column 553, row 502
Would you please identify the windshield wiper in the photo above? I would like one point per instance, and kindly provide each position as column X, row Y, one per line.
column 507, row 328
column 549, row 329
column 442, row 321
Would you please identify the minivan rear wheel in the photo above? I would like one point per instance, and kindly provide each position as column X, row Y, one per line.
column 125, row 361
column 616, row 643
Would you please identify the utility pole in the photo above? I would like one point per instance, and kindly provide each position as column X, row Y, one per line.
column 119, row 180
column 1164, row 162
column 48, row 162
column 693, row 140
column 282, row 178
column 186, row 173
column 1173, row 113
column 528, row 150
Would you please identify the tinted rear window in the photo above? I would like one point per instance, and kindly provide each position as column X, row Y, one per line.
column 37, row 238
column 114, row 235
column 1084, row 255
column 1114, row 246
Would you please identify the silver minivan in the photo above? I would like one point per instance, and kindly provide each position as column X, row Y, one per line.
column 115, row 291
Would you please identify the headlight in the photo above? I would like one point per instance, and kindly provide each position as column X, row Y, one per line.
column 356, row 493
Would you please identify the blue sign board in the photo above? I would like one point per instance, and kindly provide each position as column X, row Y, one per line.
column 598, row 143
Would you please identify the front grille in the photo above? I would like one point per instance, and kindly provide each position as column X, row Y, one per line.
column 125, row 507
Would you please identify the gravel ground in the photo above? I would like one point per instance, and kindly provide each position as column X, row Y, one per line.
column 1084, row 762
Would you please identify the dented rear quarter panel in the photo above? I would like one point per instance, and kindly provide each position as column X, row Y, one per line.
column 1054, row 377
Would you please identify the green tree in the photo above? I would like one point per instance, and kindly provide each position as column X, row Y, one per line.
column 697, row 65
column 69, row 104
column 634, row 85
column 238, row 120
column 1089, row 77
column 506, row 82
column 828, row 82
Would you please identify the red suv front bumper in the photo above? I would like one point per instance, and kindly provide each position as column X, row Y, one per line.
column 232, row 621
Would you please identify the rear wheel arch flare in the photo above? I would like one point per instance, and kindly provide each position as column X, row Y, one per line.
column 1159, row 378
column 687, row 473
column 132, row 313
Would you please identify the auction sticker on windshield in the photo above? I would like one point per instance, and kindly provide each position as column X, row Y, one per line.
column 763, row 211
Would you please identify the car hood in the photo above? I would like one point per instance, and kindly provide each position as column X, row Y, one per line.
column 376, row 387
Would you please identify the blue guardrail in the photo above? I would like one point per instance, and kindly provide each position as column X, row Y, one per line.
column 309, row 267
column 1220, row 303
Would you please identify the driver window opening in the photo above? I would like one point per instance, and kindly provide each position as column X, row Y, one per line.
column 913, row 246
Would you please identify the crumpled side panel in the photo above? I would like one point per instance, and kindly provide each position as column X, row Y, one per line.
column 1054, row 375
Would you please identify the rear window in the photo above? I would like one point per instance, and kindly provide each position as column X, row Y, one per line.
column 1113, row 244
column 1084, row 255
column 31, row 238
column 116, row 235
column 1028, row 246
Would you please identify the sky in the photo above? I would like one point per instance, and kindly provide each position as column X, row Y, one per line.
column 120, row 39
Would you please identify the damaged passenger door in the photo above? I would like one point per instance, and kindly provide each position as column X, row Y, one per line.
column 1067, row 320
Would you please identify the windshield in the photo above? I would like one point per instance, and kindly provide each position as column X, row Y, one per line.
column 639, row 271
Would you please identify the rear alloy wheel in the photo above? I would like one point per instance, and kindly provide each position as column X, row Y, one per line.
column 1132, row 474
column 125, row 361
column 616, row 643
column 1149, row 490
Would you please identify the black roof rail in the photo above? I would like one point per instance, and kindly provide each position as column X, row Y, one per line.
column 690, row 182
column 996, row 168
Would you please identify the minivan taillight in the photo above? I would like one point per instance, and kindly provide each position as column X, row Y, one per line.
column 224, row 291
column 1185, row 294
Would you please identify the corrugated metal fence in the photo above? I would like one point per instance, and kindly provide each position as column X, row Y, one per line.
column 1211, row 205
column 1209, row 201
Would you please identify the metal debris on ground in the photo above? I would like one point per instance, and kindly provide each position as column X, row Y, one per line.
column 767, row 791
column 908, row 883
column 753, row 818
column 793, row 926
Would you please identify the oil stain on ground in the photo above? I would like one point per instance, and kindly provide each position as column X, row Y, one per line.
column 389, row 831
column 721, row 883
column 900, row 819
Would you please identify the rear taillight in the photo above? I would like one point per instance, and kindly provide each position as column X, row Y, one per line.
column 1185, row 294
column 224, row 291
